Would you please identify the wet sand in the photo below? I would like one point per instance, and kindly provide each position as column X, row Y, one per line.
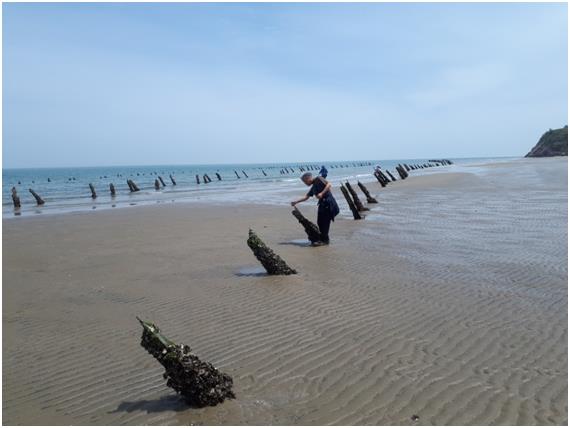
column 449, row 302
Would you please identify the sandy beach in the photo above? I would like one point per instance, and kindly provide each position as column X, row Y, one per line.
column 449, row 302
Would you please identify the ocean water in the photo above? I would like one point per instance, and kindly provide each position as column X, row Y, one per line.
column 67, row 189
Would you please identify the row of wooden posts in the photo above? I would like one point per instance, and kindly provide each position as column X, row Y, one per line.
column 354, row 202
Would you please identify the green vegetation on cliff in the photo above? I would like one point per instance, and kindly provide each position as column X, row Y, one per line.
column 552, row 143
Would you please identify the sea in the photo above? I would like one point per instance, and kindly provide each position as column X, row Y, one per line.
column 67, row 190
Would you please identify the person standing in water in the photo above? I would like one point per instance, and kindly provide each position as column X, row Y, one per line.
column 327, row 206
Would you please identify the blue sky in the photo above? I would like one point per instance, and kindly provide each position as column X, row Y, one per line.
column 117, row 84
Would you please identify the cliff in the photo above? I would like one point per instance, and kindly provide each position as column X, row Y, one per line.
column 552, row 143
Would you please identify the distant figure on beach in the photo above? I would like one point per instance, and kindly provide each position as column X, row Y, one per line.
column 323, row 172
column 327, row 206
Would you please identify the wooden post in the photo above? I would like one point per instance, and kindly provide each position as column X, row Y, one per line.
column 156, row 184
column 39, row 200
column 219, row 176
column 93, row 193
column 161, row 181
column 391, row 176
column 380, row 178
column 311, row 229
column 172, row 179
column 351, row 205
column 402, row 176
column 197, row 179
column 15, row 198
column 356, row 199
column 112, row 189
column 273, row 264
column 264, row 173
column 369, row 198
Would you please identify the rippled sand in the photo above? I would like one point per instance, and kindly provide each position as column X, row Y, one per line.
column 449, row 302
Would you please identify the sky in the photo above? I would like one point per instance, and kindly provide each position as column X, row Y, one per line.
column 150, row 83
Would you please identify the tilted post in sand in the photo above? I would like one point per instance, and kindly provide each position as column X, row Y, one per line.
column 369, row 198
column 407, row 167
column 207, row 178
column 199, row 382
column 161, row 181
column 351, row 205
column 15, row 198
column 380, row 178
column 237, row 175
column 132, row 186
column 197, row 179
column 273, row 264
column 93, row 193
column 173, row 180
column 112, row 189
column 264, row 173
column 243, row 172
column 402, row 173
column 39, row 200
column 219, row 176
column 311, row 229
column 156, row 184
column 356, row 199
column 391, row 176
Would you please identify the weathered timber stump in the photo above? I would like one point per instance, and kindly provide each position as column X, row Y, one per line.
column 197, row 179
column 237, row 175
column 402, row 173
column 197, row 381
column 369, row 198
column 380, row 179
column 161, row 181
column 132, row 186
column 156, row 184
column 15, row 198
column 173, row 180
column 243, row 172
column 39, row 200
column 93, row 193
column 219, row 176
column 273, row 264
column 311, row 229
column 391, row 176
column 112, row 189
column 356, row 199
column 264, row 173
column 355, row 213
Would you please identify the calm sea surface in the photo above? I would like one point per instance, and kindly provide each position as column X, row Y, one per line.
column 67, row 189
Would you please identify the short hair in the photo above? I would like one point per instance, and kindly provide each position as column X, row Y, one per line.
column 306, row 176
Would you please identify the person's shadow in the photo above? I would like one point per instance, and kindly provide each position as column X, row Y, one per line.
column 162, row 404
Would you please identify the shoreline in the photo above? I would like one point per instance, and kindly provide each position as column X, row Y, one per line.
column 449, row 302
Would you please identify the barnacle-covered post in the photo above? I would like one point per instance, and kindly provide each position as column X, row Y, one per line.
column 39, row 200
column 199, row 382
column 311, row 229
column 380, row 178
column 273, row 264
column 391, row 176
column 15, row 198
column 355, row 198
column 351, row 205
column 369, row 198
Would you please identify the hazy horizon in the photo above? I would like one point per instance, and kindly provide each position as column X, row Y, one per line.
column 89, row 85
